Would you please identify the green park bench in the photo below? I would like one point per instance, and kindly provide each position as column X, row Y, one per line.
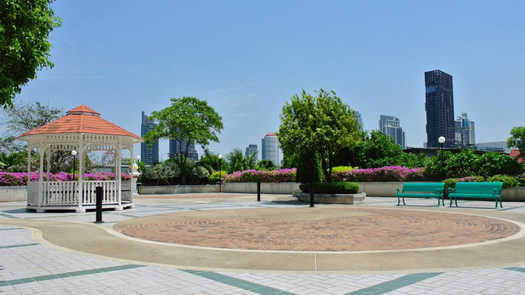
column 476, row 190
column 427, row 190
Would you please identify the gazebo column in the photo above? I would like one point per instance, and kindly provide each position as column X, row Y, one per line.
column 118, row 177
column 48, row 164
column 40, row 181
column 28, row 172
column 81, row 147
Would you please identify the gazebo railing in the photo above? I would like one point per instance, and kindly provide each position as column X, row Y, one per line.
column 59, row 193
column 66, row 193
column 110, row 189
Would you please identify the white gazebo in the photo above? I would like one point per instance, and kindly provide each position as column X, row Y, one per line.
column 80, row 131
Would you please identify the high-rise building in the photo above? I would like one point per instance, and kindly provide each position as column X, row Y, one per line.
column 270, row 148
column 250, row 150
column 391, row 126
column 465, row 131
column 176, row 147
column 359, row 119
column 439, row 106
column 148, row 154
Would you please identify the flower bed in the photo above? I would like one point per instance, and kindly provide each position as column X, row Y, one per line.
column 276, row 176
column 389, row 173
column 20, row 178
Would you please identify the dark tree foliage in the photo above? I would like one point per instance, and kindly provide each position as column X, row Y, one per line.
column 24, row 43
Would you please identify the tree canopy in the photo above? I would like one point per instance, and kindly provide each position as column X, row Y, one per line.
column 517, row 140
column 23, row 117
column 187, row 120
column 24, row 43
column 238, row 162
column 320, row 123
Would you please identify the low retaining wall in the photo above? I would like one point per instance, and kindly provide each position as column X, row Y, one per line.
column 176, row 189
column 13, row 194
column 372, row 189
column 349, row 199
column 266, row 187
column 380, row 189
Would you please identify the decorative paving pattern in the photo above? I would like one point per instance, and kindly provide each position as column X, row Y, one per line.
column 328, row 229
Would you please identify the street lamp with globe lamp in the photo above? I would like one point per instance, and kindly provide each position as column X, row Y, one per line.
column 220, row 173
column 442, row 140
column 74, row 154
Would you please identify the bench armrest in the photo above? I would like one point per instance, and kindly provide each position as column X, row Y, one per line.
column 397, row 190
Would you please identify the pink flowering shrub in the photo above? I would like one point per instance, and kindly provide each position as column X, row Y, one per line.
column 276, row 176
column 389, row 173
column 20, row 178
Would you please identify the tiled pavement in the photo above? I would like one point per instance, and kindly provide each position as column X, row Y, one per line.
column 28, row 267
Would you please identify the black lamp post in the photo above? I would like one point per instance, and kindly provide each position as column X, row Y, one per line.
column 74, row 154
column 442, row 140
column 220, row 173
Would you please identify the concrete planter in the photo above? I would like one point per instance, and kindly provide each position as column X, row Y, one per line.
column 228, row 187
column 380, row 189
column 514, row 194
column 349, row 199
column 266, row 187
column 176, row 189
column 13, row 193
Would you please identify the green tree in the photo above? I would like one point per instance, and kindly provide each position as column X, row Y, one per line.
column 517, row 140
column 376, row 149
column 238, row 162
column 492, row 163
column 187, row 120
column 265, row 165
column 23, row 117
column 321, row 124
column 161, row 172
column 209, row 159
column 24, row 43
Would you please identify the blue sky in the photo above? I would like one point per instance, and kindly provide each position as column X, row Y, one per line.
column 247, row 58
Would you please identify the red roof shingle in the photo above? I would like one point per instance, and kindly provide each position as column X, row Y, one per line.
column 81, row 119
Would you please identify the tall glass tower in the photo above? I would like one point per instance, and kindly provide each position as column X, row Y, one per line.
column 270, row 148
column 148, row 154
column 391, row 126
column 439, row 105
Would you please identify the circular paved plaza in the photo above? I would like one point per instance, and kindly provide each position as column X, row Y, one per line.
column 319, row 229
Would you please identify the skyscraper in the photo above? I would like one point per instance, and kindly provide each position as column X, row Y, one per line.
column 439, row 105
column 270, row 148
column 250, row 150
column 359, row 119
column 176, row 147
column 148, row 154
column 391, row 126
column 465, row 131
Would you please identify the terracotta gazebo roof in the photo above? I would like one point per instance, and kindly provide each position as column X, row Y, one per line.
column 81, row 119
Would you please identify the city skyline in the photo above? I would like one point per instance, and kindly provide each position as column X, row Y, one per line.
column 248, row 59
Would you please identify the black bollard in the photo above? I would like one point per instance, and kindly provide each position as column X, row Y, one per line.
column 100, row 197
column 258, row 191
